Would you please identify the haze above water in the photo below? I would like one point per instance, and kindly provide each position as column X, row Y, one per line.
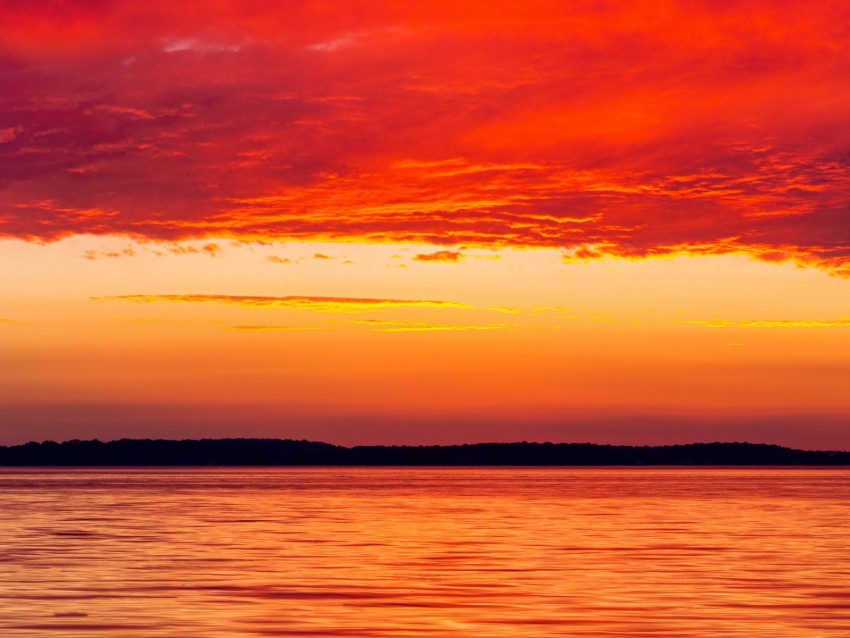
column 233, row 552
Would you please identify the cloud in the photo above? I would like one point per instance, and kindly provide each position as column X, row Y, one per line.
column 93, row 255
column 211, row 249
column 442, row 328
column 278, row 260
column 334, row 305
column 272, row 328
column 630, row 129
column 418, row 326
column 797, row 323
column 440, row 255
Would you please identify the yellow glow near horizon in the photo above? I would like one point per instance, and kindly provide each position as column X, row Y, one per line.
column 683, row 335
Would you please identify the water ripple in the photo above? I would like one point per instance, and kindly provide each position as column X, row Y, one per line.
column 424, row 552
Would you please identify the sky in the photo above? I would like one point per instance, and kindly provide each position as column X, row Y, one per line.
column 365, row 222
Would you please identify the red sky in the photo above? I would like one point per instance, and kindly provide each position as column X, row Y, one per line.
column 456, row 131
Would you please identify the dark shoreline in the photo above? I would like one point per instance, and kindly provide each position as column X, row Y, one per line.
column 286, row 452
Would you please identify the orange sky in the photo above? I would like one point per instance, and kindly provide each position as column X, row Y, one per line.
column 366, row 222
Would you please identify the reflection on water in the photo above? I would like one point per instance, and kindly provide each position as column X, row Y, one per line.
column 233, row 552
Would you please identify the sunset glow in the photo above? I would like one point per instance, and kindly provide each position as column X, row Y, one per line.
column 366, row 222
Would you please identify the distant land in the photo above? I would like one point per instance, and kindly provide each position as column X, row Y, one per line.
column 285, row 452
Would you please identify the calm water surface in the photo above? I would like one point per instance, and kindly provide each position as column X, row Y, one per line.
column 233, row 552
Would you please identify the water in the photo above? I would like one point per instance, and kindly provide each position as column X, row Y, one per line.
column 233, row 552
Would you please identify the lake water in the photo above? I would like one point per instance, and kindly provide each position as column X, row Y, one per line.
column 234, row 552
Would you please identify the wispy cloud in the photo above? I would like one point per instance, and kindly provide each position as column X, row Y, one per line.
column 796, row 323
column 418, row 326
column 273, row 328
column 93, row 255
column 443, row 328
column 451, row 256
column 334, row 305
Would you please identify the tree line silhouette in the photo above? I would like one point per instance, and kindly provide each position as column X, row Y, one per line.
column 287, row 452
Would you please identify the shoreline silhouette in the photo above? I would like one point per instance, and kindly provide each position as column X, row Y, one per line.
column 289, row 452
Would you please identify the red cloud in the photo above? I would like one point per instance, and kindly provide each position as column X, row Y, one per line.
column 631, row 129
column 440, row 255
